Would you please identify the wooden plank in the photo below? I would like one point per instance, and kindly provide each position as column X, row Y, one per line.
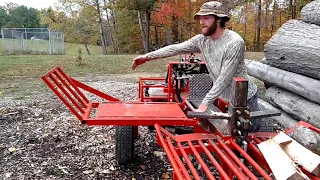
column 299, row 154
column 280, row 163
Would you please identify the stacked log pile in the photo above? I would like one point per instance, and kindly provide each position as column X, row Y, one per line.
column 291, row 68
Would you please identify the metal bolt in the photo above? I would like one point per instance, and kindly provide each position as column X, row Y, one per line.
column 245, row 145
column 238, row 112
column 239, row 132
column 238, row 123
column 200, row 124
column 235, row 131
column 247, row 112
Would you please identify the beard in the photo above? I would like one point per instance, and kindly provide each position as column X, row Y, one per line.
column 210, row 30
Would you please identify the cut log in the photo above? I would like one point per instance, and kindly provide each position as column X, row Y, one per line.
column 299, row 107
column 279, row 162
column 310, row 13
column 296, row 83
column 299, row 154
column 307, row 138
column 284, row 120
column 295, row 48
column 312, row 142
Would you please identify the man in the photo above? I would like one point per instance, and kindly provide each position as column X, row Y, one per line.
column 223, row 52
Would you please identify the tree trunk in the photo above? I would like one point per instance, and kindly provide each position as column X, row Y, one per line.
column 110, row 29
column 190, row 20
column 296, row 83
column 87, row 49
column 258, row 27
column 175, row 29
column 114, row 21
column 299, row 107
column 295, row 48
column 156, row 35
column 294, row 9
column 273, row 18
column 168, row 39
column 102, row 35
column 287, row 122
column 310, row 13
column 147, row 30
column 266, row 22
column 142, row 31
column 111, row 32
column 245, row 22
column 290, row 10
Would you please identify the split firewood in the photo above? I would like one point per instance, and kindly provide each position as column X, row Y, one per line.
column 299, row 154
column 279, row 162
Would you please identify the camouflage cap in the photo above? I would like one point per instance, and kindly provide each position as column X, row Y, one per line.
column 212, row 8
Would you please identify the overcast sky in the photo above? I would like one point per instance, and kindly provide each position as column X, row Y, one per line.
column 38, row 4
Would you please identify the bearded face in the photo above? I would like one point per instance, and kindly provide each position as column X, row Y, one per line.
column 210, row 30
column 209, row 25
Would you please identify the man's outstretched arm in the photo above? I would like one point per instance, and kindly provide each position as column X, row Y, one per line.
column 188, row 46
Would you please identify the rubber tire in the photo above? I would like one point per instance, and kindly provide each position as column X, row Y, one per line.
column 124, row 144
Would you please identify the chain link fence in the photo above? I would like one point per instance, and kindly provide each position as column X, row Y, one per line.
column 32, row 41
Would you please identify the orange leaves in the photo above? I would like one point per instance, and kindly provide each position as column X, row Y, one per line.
column 167, row 10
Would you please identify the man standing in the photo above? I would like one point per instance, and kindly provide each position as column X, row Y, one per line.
column 223, row 51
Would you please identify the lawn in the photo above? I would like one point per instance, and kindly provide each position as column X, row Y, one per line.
column 19, row 72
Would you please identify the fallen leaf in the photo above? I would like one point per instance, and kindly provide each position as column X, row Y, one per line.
column 158, row 153
column 165, row 176
column 12, row 149
column 112, row 168
column 88, row 172
column 143, row 167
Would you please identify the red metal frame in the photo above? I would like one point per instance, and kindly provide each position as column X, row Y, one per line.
column 218, row 152
column 221, row 151
column 114, row 111
column 304, row 124
column 68, row 91
column 209, row 150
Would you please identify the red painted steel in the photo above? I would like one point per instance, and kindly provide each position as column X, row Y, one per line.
column 217, row 152
column 210, row 152
column 304, row 124
column 66, row 90
column 94, row 91
column 140, row 109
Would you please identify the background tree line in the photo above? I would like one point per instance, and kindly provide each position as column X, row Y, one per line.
column 130, row 26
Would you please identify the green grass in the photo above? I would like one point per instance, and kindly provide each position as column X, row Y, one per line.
column 35, row 66
column 21, row 74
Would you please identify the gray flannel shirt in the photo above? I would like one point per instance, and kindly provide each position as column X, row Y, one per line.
column 224, row 58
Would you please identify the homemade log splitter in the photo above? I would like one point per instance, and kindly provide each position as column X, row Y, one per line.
column 220, row 146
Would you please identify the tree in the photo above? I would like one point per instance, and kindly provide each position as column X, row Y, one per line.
column 76, row 5
column 102, row 34
column 143, row 8
column 110, row 9
column 3, row 17
column 84, row 27
column 20, row 16
column 258, row 26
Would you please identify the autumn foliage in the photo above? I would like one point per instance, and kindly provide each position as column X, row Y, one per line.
column 146, row 25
